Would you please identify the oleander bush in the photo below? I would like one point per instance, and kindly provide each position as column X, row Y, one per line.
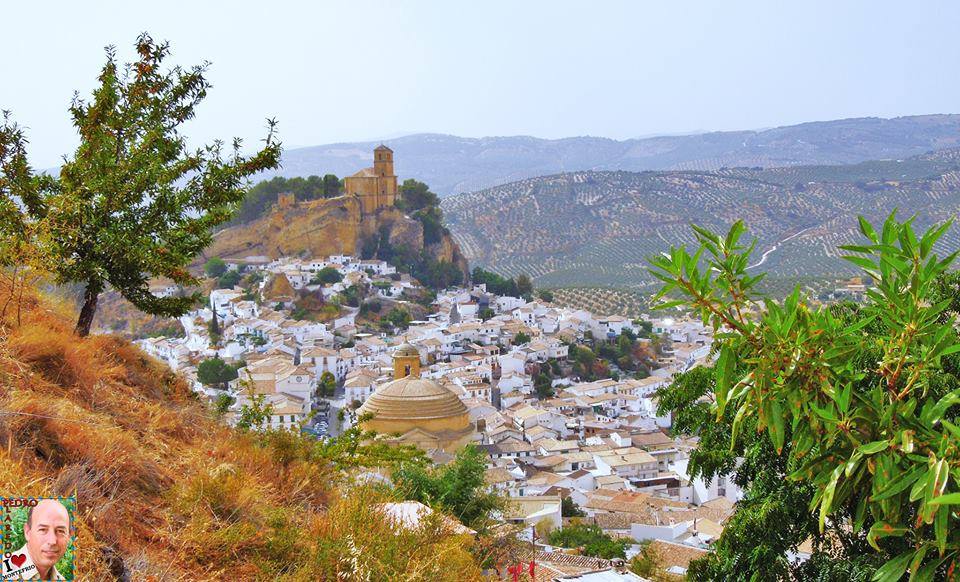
column 849, row 410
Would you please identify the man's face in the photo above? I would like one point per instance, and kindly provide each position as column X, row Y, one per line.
column 47, row 533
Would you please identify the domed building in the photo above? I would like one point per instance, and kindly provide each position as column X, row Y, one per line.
column 417, row 411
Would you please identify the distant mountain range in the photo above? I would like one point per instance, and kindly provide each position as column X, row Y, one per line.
column 451, row 164
column 598, row 228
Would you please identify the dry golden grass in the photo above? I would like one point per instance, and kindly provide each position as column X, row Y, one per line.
column 165, row 492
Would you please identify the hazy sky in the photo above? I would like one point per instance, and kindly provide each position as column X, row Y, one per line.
column 347, row 71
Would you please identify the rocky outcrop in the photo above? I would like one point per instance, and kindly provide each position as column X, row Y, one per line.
column 448, row 250
column 319, row 228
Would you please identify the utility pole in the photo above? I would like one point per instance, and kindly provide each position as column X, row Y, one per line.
column 533, row 553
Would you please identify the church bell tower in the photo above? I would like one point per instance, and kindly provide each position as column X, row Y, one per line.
column 383, row 161
column 406, row 362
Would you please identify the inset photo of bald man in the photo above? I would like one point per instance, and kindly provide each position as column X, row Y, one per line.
column 37, row 538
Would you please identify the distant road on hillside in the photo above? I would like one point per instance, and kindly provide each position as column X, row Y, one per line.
column 598, row 228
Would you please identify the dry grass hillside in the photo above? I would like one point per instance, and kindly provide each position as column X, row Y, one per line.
column 164, row 491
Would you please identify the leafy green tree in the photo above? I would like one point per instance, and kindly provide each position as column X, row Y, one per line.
column 133, row 202
column 399, row 318
column 262, row 197
column 773, row 518
column 16, row 180
column 524, row 285
column 223, row 403
column 23, row 259
column 555, row 367
column 332, row 186
column 543, row 386
column 214, row 267
column 327, row 386
column 486, row 313
column 646, row 327
column 438, row 274
column 255, row 415
column 584, row 361
column 415, row 195
column 327, row 276
column 299, row 314
column 851, row 410
column 569, row 508
column 495, row 283
column 215, row 372
column 521, row 339
column 229, row 279
column 432, row 221
column 591, row 538
column 214, row 328
column 356, row 447
column 545, row 295
column 352, row 296
column 457, row 488
column 422, row 204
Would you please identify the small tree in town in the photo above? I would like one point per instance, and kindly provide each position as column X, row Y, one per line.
column 214, row 267
column 591, row 538
column 326, row 276
column 229, row 279
column 399, row 318
column 133, row 202
column 569, row 508
column 524, row 285
column 327, row 385
column 543, row 386
column 216, row 372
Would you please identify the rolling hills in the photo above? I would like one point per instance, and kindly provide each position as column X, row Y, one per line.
column 597, row 228
column 452, row 164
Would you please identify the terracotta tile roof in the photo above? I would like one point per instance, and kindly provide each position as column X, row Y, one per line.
column 617, row 520
column 719, row 503
column 365, row 173
column 671, row 554
column 630, row 502
column 651, row 439
column 570, row 564
column 498, row 475
column 545, row 478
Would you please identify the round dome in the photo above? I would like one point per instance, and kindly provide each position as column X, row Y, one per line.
column 406, row 349
column 413, row 398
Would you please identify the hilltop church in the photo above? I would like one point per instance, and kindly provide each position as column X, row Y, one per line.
column 376, row 187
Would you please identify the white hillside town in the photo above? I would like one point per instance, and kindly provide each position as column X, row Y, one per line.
column 557, row 412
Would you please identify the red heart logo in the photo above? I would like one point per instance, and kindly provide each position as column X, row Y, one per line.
column 18, row 560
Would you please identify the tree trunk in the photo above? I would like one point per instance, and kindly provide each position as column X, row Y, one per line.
column 89, row 309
